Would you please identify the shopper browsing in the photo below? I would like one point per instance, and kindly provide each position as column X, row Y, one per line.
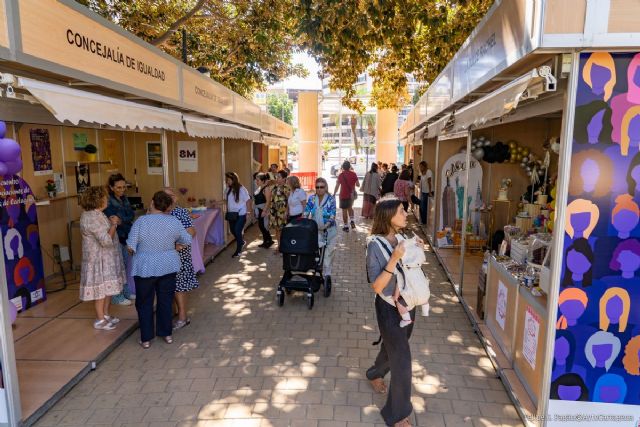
column 347, row 184
column 297, row 199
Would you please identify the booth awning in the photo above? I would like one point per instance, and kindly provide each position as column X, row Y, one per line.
column 72, row 105
column 419, row 136
column 403, row 141
column 205, row 128
column 495, row 105
column 274, row 140
column 435, row 128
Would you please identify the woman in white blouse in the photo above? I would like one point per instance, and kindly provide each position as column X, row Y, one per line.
column 297, row 198
column 238, row 207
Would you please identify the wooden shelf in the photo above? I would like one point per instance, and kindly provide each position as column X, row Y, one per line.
column 47, row 201
column 95, row 162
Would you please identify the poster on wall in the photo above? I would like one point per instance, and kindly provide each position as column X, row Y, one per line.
column 452, row 185
column 83, row 178
column 154, row 158
column 531, row 335
column 187, row 156
column 19, row 226
column 501, row 304
column 41, row 151
column 596, row 366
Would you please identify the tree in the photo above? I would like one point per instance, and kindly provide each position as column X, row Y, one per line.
column 280, row 106
column 246, row 44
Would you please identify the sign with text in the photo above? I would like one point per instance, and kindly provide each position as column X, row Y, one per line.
column 187, row 156
column 60, row 34
column 531, row 336
column 206, row 96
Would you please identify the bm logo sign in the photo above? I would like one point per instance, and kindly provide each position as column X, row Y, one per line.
column 187, row 154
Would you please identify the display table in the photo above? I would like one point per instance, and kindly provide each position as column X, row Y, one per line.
column 517, row 320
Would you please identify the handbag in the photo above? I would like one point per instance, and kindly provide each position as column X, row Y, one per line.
column 231, row 216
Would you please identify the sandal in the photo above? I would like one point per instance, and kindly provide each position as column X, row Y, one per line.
column 378, row 385
column 179, row 324
column 168, row 339
column 403, row 423
column 145, row 344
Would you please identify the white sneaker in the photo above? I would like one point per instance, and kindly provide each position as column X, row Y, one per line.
column 103, row 325
column 112, row 319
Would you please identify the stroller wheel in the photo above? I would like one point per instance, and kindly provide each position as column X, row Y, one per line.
column 280, row 297
column 327, row 286
column 310, row 300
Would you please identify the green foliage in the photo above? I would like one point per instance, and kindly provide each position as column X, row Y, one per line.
column 280, row 106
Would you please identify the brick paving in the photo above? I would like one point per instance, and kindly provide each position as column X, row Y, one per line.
column 244, row 361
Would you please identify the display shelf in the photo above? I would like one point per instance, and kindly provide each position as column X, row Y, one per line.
column 93, row 162
column 47, row 201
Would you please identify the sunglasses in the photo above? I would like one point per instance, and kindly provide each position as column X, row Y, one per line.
column 320, row 187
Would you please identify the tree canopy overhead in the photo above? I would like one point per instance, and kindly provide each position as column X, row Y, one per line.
column 248, row 44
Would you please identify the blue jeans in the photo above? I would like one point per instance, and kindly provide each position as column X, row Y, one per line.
column 126, row 292
column 424, row 207
column 237, row 229
column 163, row 289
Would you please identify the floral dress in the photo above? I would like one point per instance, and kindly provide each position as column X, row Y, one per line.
column 186, row 279
column 279, row 202
column 102, row 272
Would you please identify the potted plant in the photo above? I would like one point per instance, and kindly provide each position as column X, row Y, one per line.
column 51, row 188
column 91, row 152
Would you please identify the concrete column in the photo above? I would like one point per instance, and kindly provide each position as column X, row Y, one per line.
column 309, row 132
column 386, row 135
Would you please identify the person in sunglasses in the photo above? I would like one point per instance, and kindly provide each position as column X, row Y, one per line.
column 321, row 207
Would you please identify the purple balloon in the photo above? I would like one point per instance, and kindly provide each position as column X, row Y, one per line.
column 9, row 150
column 3, row 169
column 13, row 312
column 3, row 129
column 14, row 167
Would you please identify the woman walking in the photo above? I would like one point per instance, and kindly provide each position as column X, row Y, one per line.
column 238, row 207
column 371, row 190
column 260, row 203
column 102, row 273
column 154, row 241
column 277, row 204
column 402, row 188
column 297, row 199
column 120, row 208
column 347, row 183
column 426, row 178
column 395, row 354
column 321, row 207
column 186, row 279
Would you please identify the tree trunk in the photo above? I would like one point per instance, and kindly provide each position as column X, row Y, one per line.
column 161, row 39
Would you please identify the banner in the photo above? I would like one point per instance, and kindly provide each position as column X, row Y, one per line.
column 596, row 366
column 452, row 184
column 187, row 156
column 154, row 158
column 40, row 151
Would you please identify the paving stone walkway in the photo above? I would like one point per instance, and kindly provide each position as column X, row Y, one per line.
column 244, row 361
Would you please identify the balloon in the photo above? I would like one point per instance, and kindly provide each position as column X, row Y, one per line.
column 3, row 169
column 13, row 310
column 478, row 153
column 540, row 172
column 3, row 129
column 482, row 138
column 13, row 167
column 519, row 157
column 525, row 159
column 9, row 150
column 528, row 173
column 526, row 151
column 487, row 143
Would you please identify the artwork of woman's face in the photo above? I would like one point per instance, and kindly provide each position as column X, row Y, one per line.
column 614, row 309
column 600, row 76
column 636, row 76
column 610, row 393
column 624, row 221
column 562, row 350
column 569, row 392
column 589, row 172
column 602, row 353
column 634, row 131
column 577, row 263
column 629, row 261
column 572, row 309
column 595, row 127
column 580, row 222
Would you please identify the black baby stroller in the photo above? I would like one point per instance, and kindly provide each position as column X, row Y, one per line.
column 302, row 261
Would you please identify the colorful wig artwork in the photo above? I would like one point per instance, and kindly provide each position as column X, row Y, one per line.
column 604, row 60
column 610, row 293
column 579, row 206
column 570, row 294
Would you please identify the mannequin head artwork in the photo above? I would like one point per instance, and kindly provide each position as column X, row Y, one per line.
column 626, row 258
column 615, row 305
column 564, row 349
column 631, row 359
column 582, row 217
column 593, row 173
column 633, row 80
column 599, row 73
column 572, row 302
column 33, row 235
column 569, row 387
column 610, row 388
column 625, row 215
column 579, row 263
column 601, row 349
column 630, row 130
column 593, row 123
column 633, row 175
